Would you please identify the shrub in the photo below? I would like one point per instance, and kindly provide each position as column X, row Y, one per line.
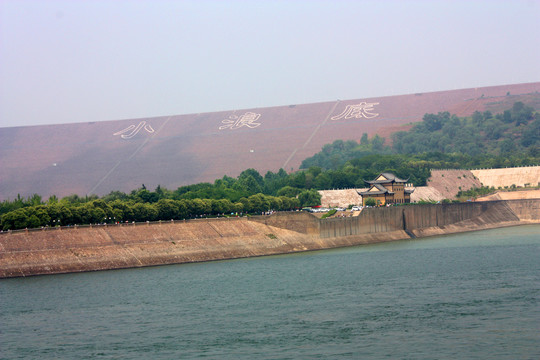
column 328, row 214
column 370, row 202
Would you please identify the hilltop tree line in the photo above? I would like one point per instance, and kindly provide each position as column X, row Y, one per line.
column 435, row 143
column 511, row 138
column 514, row 131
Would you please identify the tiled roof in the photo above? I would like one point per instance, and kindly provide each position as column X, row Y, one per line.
column 382, row 190
column 391, row 178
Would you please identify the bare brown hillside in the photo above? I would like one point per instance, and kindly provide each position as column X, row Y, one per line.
column 99, row 157
column 449, row 182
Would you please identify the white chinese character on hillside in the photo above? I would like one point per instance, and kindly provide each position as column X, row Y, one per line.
column 358, row 111
column 234, row 122
column 134, row 130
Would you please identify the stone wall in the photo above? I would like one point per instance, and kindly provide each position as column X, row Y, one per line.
column 418, row 220
column 526, row 210
column 370, row 220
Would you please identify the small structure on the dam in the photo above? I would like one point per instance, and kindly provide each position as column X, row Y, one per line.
column 387, row 189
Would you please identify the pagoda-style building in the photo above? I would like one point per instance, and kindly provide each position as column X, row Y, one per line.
column 387, row 189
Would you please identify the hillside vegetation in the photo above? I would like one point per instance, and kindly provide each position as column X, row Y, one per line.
column 440, row 141
column 511, row 138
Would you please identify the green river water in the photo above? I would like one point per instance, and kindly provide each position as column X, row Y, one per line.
column 466, row 296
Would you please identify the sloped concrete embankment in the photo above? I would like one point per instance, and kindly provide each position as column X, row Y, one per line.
column 455, row 218
column 112, row 247
column 79, row 249
column 528, row 210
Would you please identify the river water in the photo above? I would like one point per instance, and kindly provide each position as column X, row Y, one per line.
column 465, row 296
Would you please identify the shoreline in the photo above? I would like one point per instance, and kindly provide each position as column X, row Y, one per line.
column 108, row 247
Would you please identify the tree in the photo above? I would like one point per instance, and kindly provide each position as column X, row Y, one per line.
column 286, row 203
column 33, row 222
column 144, row 212
column 434, row 122
column 275, row 203
column 35, row 200
column 314, row 170
column 364, row 139
column 222, row 206
column 52, row 200
column 507, row 116
column 288, row 191
column 298, row 180
column 258, row 203
column 323, row 181
column 253, row 173
column 146, row 196
column 97, row 215
column 114, row 195
column 16, row 219
column 167, row 209
column 248, row 184
column 238, row 207
column 81, row 214
column 197, row 207
column 41, row 212
column 377, row 143
column 341, row 180
column 309, row 198
column 478, row 117
column 531, row 134
column 182, row 209
column 122, row 210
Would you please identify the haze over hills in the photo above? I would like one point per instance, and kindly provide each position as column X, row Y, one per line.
column 99, row 157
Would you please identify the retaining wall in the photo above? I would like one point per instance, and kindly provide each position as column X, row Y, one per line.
column 73, row 249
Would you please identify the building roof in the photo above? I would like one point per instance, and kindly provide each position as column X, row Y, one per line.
column 381, row 190
column 388, row 178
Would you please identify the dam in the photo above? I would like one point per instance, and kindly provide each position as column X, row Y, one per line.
column 106, row 247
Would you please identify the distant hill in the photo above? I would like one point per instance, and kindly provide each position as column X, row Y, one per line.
column 99, row 157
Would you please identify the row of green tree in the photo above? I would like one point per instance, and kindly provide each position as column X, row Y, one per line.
column 98, row 211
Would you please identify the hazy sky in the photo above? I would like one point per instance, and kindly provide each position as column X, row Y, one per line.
column 78, row 61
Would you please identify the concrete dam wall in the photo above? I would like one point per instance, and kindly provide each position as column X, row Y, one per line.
column 427, row 220
column 76, row 249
